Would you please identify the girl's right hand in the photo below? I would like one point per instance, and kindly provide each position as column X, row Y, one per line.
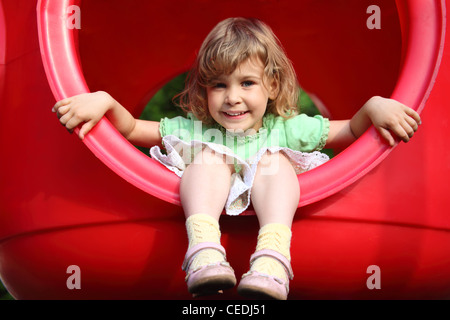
column 87, row 108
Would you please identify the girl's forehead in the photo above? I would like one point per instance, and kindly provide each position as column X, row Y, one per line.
column 252, row 63
column 249, row 67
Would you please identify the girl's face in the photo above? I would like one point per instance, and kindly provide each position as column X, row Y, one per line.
column 238, row 101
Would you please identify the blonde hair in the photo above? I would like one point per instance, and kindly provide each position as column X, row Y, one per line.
column 230, row 43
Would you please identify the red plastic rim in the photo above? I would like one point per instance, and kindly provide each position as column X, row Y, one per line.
column 422, row 36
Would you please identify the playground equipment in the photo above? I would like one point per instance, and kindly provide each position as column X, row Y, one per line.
column 107, row 208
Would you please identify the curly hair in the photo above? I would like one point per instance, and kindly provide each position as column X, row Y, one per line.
column 230, row 43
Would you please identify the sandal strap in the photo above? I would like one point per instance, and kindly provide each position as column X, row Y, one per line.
column 190, row 254
column 276, row 255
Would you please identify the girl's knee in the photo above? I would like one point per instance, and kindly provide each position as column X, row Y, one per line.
column 274, row 163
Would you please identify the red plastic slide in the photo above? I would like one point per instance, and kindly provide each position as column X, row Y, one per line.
column 372, row 222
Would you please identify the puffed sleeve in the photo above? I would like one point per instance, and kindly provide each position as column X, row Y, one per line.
column 179, row 126
column 305, row 133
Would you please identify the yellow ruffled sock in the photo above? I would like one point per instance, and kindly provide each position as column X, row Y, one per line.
column 203, row 228
column 274, row 236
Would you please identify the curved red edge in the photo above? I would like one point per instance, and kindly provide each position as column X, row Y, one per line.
column 422, row 52
column 104, row 141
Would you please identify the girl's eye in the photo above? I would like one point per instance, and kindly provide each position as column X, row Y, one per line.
column 248, row 83
column 220, row 85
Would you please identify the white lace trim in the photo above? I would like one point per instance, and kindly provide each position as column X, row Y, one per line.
column 180, row 154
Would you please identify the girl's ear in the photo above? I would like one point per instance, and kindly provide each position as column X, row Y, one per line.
column 274, row 88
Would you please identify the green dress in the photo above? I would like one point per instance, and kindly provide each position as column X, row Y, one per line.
column 299, row 138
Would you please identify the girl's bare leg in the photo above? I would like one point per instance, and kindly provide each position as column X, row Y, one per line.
column 205, row 184
column 276, row 192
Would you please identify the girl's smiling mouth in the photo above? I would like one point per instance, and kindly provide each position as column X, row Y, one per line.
column 235, row 115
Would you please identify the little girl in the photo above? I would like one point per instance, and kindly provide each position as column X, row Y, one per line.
column 241, row 142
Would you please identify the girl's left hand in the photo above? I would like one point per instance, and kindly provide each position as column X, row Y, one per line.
column 391, row 118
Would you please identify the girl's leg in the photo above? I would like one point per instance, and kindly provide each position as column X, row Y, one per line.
column 204, row 189
column 205, row 184
column 276, row 193
column 275, row 197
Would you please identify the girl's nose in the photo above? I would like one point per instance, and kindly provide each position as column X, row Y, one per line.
column 233, row 97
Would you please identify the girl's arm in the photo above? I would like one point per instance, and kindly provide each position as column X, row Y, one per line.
column 89, row 108
column 390, row 117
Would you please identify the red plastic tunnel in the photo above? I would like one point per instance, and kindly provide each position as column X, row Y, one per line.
column 112, row 211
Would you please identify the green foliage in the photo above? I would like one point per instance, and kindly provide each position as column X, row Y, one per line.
column 4, row 295
column 306, row 105
column 161, row 105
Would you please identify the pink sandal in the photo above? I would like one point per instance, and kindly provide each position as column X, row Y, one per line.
column 256, row 285
column 211, row 278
